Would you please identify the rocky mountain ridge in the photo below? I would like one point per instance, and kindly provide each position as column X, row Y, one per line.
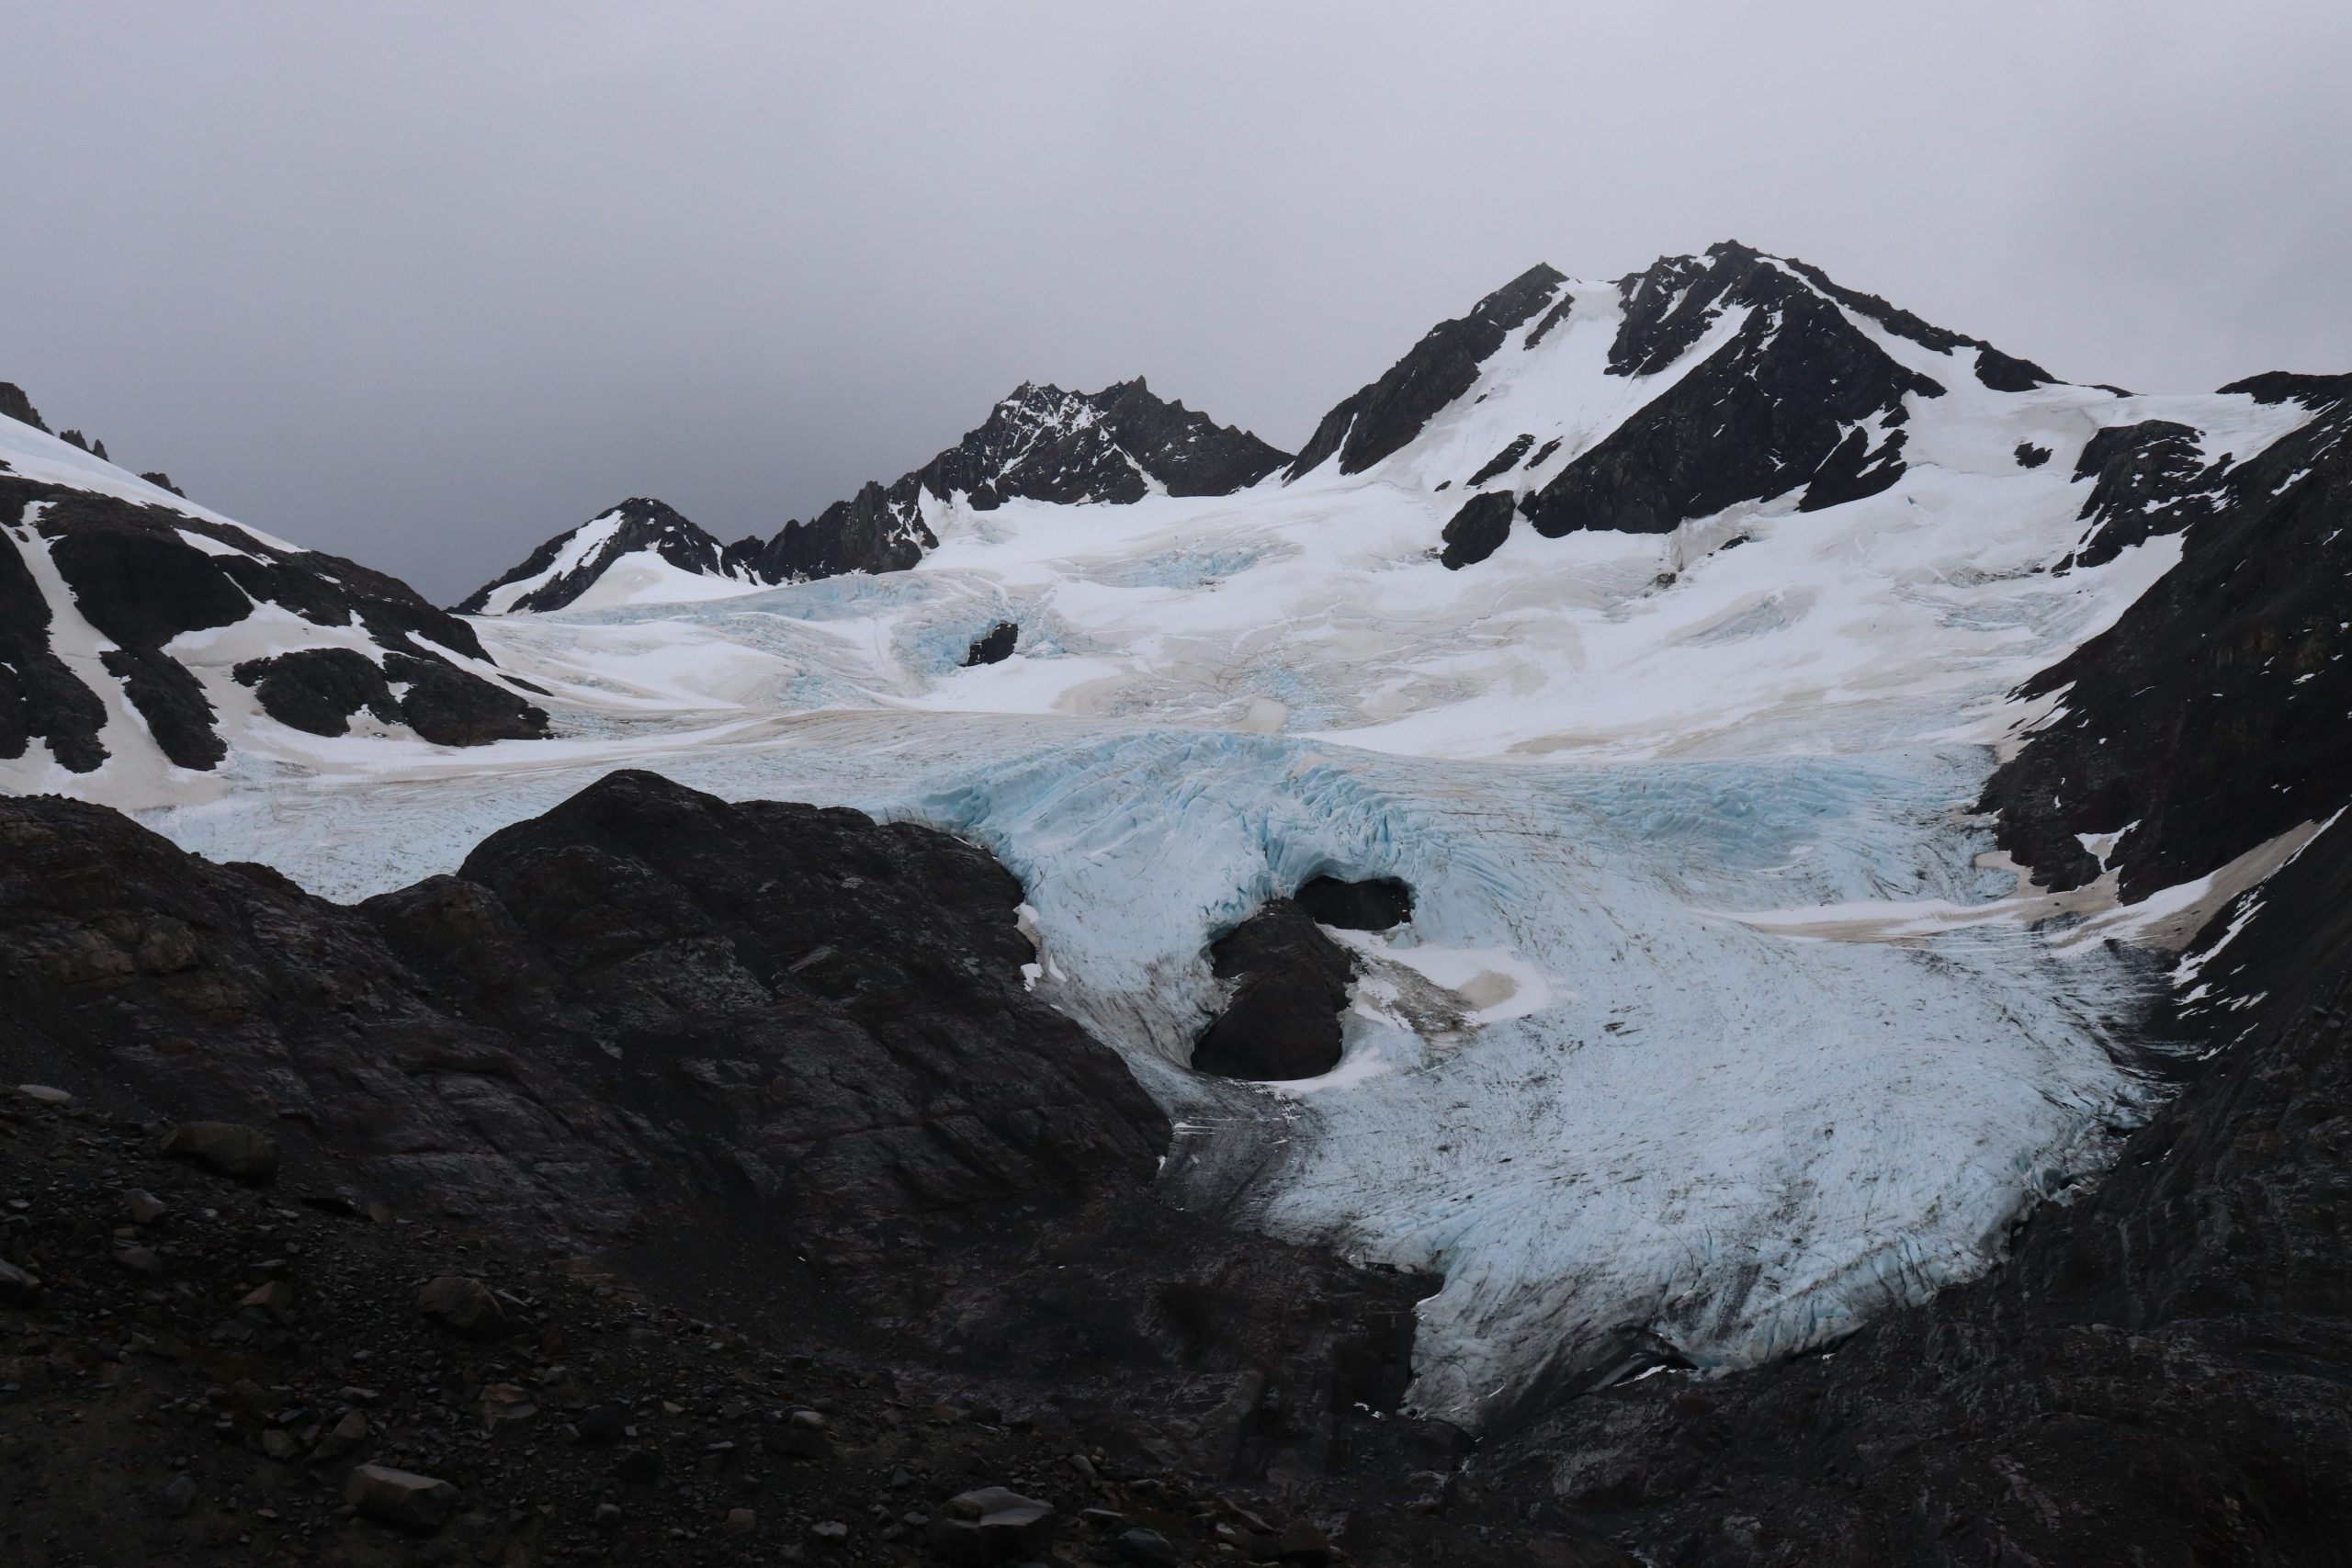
column 140, row 631
column 1041, row 443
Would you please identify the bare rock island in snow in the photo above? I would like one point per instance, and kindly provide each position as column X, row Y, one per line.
column 1710, row 929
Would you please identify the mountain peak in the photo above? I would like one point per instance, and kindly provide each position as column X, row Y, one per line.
column 657, row 546
column 1039, row 443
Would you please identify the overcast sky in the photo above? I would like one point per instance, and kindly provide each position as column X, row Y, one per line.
column 423, row 283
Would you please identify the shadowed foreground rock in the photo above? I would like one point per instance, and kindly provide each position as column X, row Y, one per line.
column 758, row 1074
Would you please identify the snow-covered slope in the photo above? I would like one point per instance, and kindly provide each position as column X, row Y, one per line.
column 150, row 649
column 1661, row 634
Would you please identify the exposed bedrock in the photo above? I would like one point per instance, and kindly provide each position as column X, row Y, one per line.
column 994, row 645
column 2209, row 718
column 644, row 1006
column 139, row 575
column 1383, row 416
column 1789, row 401
column 1373, row 904
column 1291, row 985
column 1039, row 443
column 1478, row 529
column 640, row 526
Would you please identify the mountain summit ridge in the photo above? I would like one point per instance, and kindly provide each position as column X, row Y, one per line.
column 1803, row 396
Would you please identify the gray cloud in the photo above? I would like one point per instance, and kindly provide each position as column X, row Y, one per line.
column 422, row 284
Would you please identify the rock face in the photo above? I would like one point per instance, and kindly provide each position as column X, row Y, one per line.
column 776, row 1059
column 567, row 566
column 994, row 645
column 1790, row 401
column 1290, row 985
column 646, row 1005
column 2245, row 640
column 1113, row 446
column 1377, row 419
column 1041, row 443
column 15, row 405
column 1373, row 904
column 1478, row 530
column 139, row 577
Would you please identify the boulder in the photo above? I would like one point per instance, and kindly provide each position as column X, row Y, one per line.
column 245, row 1153
column 1301, row 1542
column 1149, row 1549
column 18, row 1287
column 342, row 1440
column 603, row 1424
column 992, row 1524
column 466, row 1306
column 402, row 1499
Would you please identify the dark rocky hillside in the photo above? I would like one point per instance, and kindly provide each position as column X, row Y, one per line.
column 2211, row 716
column 135, row 577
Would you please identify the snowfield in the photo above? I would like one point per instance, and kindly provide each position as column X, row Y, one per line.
column 1711, row 1023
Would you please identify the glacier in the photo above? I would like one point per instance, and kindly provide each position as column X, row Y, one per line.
column 1612, row 1082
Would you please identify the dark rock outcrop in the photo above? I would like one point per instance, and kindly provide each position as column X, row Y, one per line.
column 135, row 577
column 641, row 525
column 2243, row 641
column 643, row 1005
column 1382, row 417
column 776, row 1060
column 1372, row 904
column 40, row 697
column 1788, row 402
column 1503, row 461
column 994, row 645
column 15, row 405
column 2148, row 479
column 1290, row 986
column 1204, row 1380
column 1040, row 444
column 1478, row 529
